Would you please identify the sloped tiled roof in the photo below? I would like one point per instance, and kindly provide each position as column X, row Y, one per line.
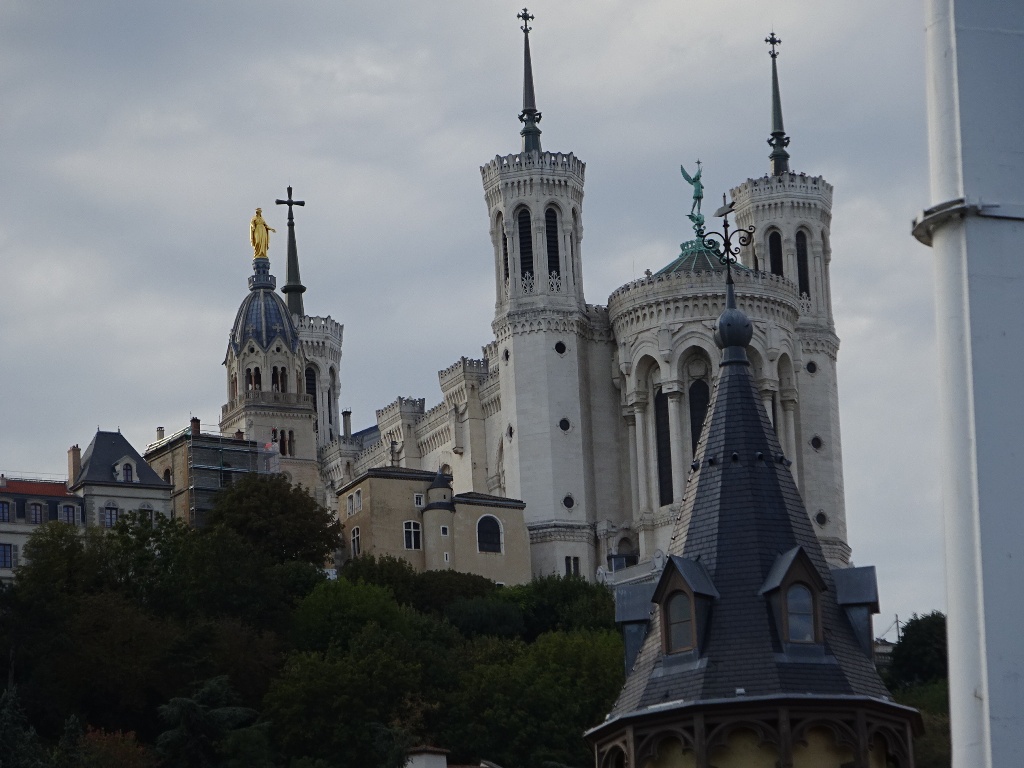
column 740, row 512
column 99, row 458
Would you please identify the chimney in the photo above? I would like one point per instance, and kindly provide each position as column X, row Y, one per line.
column 346, row 420
column 74, row 463
column 3, row 481
column 194, row 424
column 159, row 433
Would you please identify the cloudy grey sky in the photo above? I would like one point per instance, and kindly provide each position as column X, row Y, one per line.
column 137, row 138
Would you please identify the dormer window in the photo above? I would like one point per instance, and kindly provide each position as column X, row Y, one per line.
column 679, row 623
column 684, row 594
column 800, row 614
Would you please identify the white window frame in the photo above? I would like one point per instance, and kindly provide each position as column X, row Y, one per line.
column 356, row 542
column 418, row 500
column 359, row 500
column 412, row 534
column 444, row 530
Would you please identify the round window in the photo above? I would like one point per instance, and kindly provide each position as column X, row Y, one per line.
column 560, row 348
column 817, row 443
column 568, row 502
column 812, row 367
column 821, row 518
column 564, row 425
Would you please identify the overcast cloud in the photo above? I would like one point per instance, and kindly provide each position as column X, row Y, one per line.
column 137, row 138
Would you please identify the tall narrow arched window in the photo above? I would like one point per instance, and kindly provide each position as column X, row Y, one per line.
column 699, row 396
column 234, row 386
column 775, row 253
column 663, row 440
column 257, row 379
column 500, row 226
column 248, row 379
column 525, row 244
column 488, row 534
column 679, row 623
column 356, row 548
column 311, row 385
column 167, row 475
column 275, row 384
column 551, row 235
column 802, row 271
column 800, row 614
column 332, row 395
column 291, row 442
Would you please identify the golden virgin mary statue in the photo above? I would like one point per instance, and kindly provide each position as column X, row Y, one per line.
column 259, row 235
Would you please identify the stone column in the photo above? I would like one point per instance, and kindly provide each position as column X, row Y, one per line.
column 678, row 452
column 642, row 481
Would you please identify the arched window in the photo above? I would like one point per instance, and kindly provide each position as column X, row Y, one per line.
column 126, row 472
column 234, row 386
column 257, row 379
column 332, row 395
column 291, row 442
column 800, row 614
column 311, row 385
column 802, row 271
column 167, row 475
column 663, row 441
column 699, row 396
column 775, row 253
column 282, row 442
column 275, row 384
column 248, row 379
column 500, row 225
column 551, row 234
column 355, row 542
column 572, row 245
column 678, row 623
column 283, row 379
column 488, row 534
column 412, row 535
column 525, row 244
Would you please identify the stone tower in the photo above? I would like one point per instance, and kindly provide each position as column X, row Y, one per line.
column 265, row 376
column 792, row 213
column 534, row 203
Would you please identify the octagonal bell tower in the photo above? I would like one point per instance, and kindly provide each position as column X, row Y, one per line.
column 534, row 203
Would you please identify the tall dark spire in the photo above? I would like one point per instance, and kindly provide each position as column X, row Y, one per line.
column 529, row 116
column 779, row 140
column 293, row 287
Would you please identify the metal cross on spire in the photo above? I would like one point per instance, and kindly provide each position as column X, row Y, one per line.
column 293, row 287
column 527, row 17
column 289, row 202
column 772, row 40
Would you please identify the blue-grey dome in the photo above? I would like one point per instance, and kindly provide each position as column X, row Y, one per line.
column 263, row 316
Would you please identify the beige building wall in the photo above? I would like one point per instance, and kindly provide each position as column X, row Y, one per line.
column 388, row 509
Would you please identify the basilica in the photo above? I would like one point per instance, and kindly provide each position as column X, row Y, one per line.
column 588, row 413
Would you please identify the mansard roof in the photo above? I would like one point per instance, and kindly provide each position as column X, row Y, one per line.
column 743, row 521
column 106, row 450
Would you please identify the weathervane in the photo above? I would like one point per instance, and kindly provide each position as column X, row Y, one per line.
column 721, row 243
column 772, row 40
column 527, row 18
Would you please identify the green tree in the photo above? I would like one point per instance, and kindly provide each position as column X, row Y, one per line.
column 19, row 745
column 554, row 603
column 278, row 519
column 920, row 655
column 199, row 725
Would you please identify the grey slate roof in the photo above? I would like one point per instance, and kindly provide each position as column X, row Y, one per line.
column 98, row 461
column 741, row 511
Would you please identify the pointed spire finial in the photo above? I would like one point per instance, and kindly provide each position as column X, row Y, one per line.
column 529, row 116
column 779, row 140
column 293, row 287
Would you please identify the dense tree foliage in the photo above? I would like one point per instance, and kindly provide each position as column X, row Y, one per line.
column 158, row 644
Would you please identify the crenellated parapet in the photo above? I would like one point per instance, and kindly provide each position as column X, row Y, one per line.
column 455, row 378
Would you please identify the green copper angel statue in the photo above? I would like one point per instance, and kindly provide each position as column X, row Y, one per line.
column 698, row 188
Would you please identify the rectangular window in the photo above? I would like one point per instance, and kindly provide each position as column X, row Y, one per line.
column 110, row 515
column 412, row 535
column 5, row 511
column 68, row 514
column 446, row 557
column 356, row 548
column 35, row 513
column 350, row 505
column 359, row 500
column 444, row 530
column 417, row 500
column 572, row 566
column 6, row 555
